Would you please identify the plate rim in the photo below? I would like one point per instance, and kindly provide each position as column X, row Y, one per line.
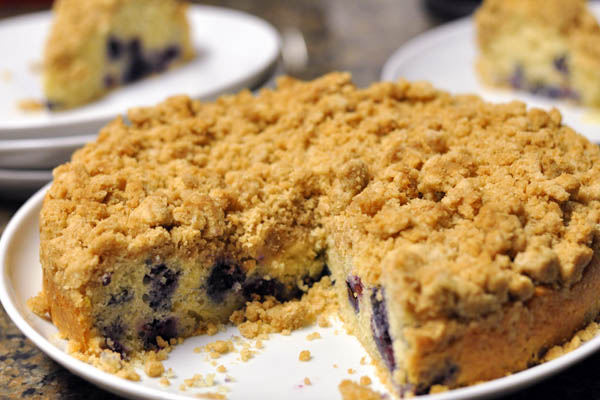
column 14, row 128
column 106, row 381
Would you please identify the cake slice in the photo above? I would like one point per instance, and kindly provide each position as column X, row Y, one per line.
column 462, row 236
column 95, row 46
column 550, row 48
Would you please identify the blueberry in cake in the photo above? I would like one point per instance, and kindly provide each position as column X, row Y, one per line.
column 547, row 47
column 95, row 46
column 462, row 236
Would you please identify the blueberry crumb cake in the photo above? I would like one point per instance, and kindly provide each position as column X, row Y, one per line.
column 95, row 46
column 462, row 236
column 547, row 47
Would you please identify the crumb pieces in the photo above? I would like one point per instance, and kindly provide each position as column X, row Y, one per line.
column 353, row 391
column 169, row 373
column 286, row 332
column 220, row 346
column 323, row 321
column 199, row 381
column 39, row 306
column 335, row 365
column 164, row 381
column 271, row 316
column 578, row 339
column 154, row 368
column 351, row 371
column 304, row 355
column 246, row 354
column 365, row 380
column 197, row 350
column 259, row 344
column 221, row 368
column 363, row 360
column 307, row 381
column 313, row 336
column 30, row 105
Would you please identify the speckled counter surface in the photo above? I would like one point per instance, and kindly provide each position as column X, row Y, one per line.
column 352, row 35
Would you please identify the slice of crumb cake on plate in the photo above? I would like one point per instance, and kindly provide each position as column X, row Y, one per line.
column 95, row 46
column 462, row 236
column 550, row 48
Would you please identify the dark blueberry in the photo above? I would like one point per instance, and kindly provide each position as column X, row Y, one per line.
column 222, row 278
column 52, row 105
column 381, row 329
column 137, row 66
column 263, row 287
column 113, row 334
column 109, row 81
column 119, row 298
column 106, row 278
column 517, row 79
column 355, row 289
column 165, row 328
column 163, row 282
column 560, row 64
column 554, row 92
column 166, row 57
column 114, row 48
column 446, row 376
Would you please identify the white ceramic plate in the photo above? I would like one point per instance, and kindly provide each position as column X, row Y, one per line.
column 445, row 56
column 42, row 153
column 235, row 50
column 20, row 184
column 274, row 372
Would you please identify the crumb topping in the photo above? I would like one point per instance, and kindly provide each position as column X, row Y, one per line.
column 352, row 391
column 469, row 205
column 304, row 355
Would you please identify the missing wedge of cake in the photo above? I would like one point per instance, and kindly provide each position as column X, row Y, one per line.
column 550, row 48
column 95, row 46
column 462, row 236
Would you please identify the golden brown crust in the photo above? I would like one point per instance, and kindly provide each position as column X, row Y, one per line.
column 514, row 339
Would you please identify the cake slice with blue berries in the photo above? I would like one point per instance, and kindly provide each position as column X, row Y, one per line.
column 95, row 46
column 550, row 48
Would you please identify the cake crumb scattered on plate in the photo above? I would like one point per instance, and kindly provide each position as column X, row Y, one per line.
column 246, row 354
column 307, row 381
column 154, row 368
column 30, row 105
column 363, row 360
column 209, row 395
column 365, row 380
column 352, row 391
column 313, row 336
column 304, row 355
column 221, row 368
column 164, row 381
column 351, row 371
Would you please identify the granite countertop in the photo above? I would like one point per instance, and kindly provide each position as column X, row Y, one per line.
column 352, row 35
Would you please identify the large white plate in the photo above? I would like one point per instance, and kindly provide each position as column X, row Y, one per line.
column 446, row 56
column 19, row 184
column 274, row 372
column 40, row 153
column 235, row 50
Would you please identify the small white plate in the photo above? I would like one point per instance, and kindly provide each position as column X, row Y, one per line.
column 21, row 183
column 40, row 153
column 446, row 56
column 274, row 372
column 235, row 50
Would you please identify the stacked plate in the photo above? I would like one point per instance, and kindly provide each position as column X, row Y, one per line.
column 235, row 50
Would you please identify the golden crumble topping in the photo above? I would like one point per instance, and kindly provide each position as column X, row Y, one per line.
column 470, row 205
